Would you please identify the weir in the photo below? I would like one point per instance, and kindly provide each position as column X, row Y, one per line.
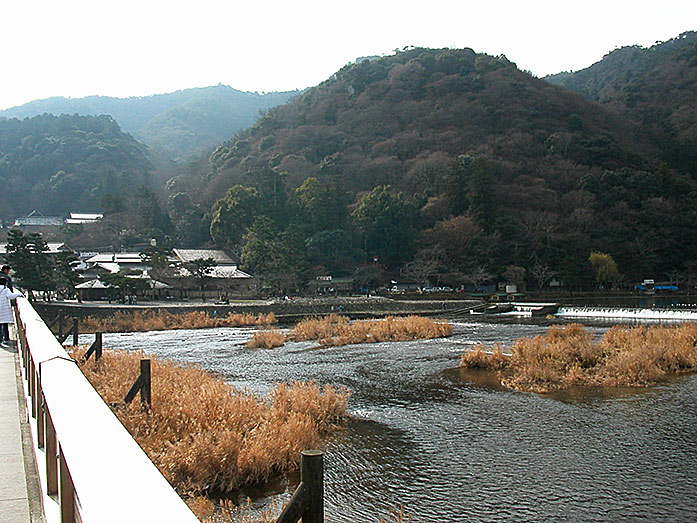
column 626, row 313
column 89, row 467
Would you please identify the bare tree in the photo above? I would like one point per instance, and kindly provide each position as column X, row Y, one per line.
column 425, row 264
column 542, row 275
column 478, row 276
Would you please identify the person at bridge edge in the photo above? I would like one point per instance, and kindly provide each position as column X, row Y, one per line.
column 5, row 273
column 6, row 311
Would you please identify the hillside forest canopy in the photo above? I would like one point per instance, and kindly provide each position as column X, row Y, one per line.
column 438, row 165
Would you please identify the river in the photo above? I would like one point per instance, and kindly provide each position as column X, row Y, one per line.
column 447, row 446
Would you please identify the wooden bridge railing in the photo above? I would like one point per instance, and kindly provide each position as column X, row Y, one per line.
column 90, row 468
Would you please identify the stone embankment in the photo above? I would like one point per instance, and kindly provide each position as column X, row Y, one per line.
column 285, row 310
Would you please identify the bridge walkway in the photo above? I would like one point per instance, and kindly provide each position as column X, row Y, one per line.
column 19, row 497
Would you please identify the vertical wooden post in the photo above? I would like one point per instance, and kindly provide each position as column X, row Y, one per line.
column 145, row 386
column 98, row 348
column 31, row 379
column 41, row 422
column 142, row 385
column 312, row 474
column 307, row 502
column 60, row 325
column 95, row 348
column 51, row 462
column 76, row 331
column 67, row 492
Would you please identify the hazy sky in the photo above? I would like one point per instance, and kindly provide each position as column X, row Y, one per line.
column 131, row 48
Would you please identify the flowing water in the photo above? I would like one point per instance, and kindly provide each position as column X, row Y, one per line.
column 449, row 446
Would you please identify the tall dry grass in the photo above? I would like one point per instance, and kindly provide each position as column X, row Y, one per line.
column 567, row 356
column 266, row 339
column 206, row 436
column 227, row 512
column 336, row 330
column 161, row 319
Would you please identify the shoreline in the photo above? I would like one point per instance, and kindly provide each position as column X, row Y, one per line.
column 285, row 310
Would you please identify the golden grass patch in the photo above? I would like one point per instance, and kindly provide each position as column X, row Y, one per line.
column 567, row 356
column 266, row 339
column 162, row 319
column 206, row 436
column 334, row 330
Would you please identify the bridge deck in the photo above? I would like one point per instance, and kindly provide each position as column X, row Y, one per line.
column 15, row 501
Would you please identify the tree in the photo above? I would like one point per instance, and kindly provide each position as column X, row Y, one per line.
column 123, row 281
column 191, row 225
column 201, row 268
column 470, row 186
column 233, row 214
column 425, row 264
column 387, row 221
column 65, row 276
column 28, row 256
column 604, row 267
column 460, row 239
column 515, row 274
column 542, row 275
column 333, row 249
column 152, row 219
column 277, row 256
column 478, row 276
column 369, row 276
column 321, row 207
column 158, row 260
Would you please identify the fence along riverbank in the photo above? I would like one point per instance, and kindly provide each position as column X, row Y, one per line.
column 90, row 468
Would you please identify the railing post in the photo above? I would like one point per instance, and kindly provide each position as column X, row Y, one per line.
column 31, row 382
column 142, row 385
column 67, row 492
column 41, row 422
column 312, row 474
column 76, row 331
column 95, row 348
column 51, row 460
column 145, row 388
column 307, row 502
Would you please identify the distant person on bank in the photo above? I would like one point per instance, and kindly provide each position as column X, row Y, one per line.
column 6, row 311
column 5, row 274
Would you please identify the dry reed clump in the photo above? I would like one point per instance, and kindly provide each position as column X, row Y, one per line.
column 141, row 321
column 480, row 358
column 266, row 339
column 318, row 328
column 336, row 330
column 567, row 356
column 396, row 516
column 227, row 512
column 206, row 436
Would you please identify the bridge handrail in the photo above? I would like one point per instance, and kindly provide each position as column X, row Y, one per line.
column 94, row 470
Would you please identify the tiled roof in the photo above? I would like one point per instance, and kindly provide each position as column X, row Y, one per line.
column 189, row 255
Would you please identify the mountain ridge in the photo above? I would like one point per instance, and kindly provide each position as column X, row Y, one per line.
column 176, row 125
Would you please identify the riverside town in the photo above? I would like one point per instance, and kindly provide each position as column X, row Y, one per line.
column 433, row 286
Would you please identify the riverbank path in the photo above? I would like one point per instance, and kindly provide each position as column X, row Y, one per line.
column 17, row 505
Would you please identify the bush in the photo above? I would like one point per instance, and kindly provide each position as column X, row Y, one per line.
column 204, row 435
column 266, row 339
column 567, row 356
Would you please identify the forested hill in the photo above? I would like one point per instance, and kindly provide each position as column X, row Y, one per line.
column 175, row 125
column 653, row 86
column 59, row 164
column 451, row 159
